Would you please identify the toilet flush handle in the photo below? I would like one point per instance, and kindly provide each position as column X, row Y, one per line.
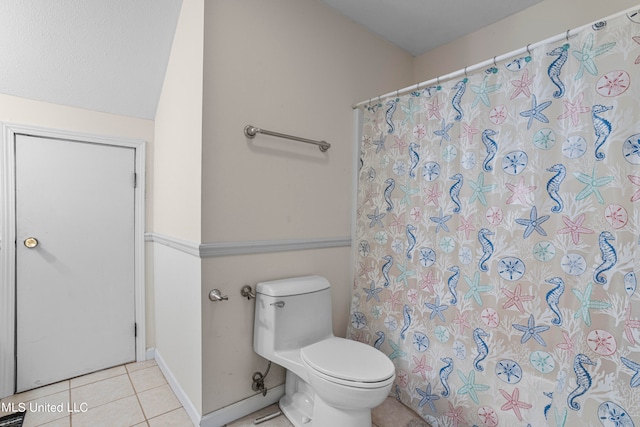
column 278, row 304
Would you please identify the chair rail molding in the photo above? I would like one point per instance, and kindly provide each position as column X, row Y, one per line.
column 218, row 249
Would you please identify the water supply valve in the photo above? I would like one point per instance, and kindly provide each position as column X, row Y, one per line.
column 258, row 381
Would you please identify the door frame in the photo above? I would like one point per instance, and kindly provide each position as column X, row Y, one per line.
column 8, row 235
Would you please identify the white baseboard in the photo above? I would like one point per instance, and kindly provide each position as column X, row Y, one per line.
column 242, row 408
column 150, row 354
column 223, row 415
column 191, row 410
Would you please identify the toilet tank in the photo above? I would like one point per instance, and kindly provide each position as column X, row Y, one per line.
column 291, row 313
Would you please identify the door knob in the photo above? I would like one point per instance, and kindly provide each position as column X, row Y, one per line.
column 31, row 242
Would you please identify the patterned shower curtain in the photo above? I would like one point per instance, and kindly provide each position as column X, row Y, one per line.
column 498, row 224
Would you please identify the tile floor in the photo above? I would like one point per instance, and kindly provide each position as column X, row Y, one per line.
column 137, row 395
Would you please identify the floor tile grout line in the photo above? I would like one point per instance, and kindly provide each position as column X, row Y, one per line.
column 100, row 379
column 4, row 399
column 146, row 418
column 96, row 381
column 158, row 415
column 68, row 388
column 144, row 414
column 68, row 381
column 112, row 401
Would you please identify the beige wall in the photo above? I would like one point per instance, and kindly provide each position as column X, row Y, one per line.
column 177, row 206
column 293, row 66
column 178, row 132
column 546, row 19
column 16, row 110
column 229, row 359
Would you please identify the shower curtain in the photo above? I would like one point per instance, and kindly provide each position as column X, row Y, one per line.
column 497, row 233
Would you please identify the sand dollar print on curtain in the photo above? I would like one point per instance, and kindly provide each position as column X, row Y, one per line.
column 498, row 225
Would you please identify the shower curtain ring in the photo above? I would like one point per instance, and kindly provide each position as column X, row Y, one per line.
column 465, row 72
column 494, row 62
column 529, row 50
column 567, row 35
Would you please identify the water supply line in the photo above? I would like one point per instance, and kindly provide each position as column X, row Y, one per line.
column 258, row 380
column 258, row 377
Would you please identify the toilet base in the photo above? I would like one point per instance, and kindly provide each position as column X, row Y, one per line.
column 304, row 408
column 325, row 415
column 298, row 401
column 297, row 415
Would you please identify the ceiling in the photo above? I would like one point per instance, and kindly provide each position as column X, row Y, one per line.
column 111, row 55
column 421, row 25
column 104, row 55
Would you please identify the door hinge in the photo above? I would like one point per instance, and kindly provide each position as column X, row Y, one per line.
column 135, row 180
column 135, row 329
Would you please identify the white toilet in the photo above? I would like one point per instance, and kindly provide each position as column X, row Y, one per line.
column 331, row 381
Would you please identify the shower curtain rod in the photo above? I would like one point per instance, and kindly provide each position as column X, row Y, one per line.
column 631, row 13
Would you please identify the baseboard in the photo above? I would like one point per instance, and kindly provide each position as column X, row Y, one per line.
column 191, row 410
column 221, row 416
column 150, row 354
column 242, row 408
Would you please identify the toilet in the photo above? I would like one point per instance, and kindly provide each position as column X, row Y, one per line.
column 330, row 381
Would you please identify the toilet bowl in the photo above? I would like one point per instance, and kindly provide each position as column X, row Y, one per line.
column 330, row 381
column 349, row 379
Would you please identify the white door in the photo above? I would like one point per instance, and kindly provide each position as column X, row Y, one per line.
column 75, row 288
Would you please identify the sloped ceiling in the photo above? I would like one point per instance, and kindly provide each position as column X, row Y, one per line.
column 104, row 55
column 111, row 55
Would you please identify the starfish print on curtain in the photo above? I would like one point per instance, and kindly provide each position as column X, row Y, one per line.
column 498, row 238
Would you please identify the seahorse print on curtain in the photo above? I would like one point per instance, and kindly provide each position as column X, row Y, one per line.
column 502, row 239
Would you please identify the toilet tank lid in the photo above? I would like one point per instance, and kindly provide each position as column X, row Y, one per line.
column 293, row 286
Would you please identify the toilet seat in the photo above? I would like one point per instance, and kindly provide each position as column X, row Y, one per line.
column 349, row 363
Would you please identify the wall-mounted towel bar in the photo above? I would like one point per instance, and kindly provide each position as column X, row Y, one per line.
column 251, row 131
